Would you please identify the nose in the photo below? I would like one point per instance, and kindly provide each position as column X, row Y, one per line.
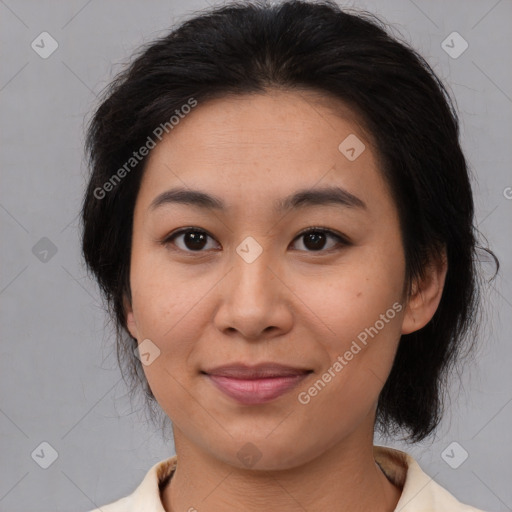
column 254, row 299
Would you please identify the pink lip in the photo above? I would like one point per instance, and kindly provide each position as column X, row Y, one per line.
column 257, row 384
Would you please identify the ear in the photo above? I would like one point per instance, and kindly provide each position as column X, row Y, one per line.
column 131, row 324
column 426, row 294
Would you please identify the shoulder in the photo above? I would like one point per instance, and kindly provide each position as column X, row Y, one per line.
column 121, row 505
column 146, row 497
column 420, row 492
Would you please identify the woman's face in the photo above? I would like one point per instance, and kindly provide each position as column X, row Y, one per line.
column 243, row 286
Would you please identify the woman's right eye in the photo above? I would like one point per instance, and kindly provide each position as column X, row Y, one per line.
column 191, row 239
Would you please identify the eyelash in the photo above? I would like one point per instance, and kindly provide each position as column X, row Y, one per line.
column 341, row 239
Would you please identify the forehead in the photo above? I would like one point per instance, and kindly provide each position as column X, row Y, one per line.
column 264, row 146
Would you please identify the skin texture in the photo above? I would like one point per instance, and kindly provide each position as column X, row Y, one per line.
column 293, row 304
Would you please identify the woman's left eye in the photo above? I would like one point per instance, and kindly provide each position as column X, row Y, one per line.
column 315, row 239
column 195, row 240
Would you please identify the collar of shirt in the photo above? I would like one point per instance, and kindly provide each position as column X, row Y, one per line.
column 420, row 493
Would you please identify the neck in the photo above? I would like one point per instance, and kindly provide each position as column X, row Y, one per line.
column 346, row 477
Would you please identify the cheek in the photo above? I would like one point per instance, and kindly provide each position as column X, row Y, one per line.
column 169, row 314
column 361, row 306
column 160, row 295
column 163, row 305
column 166, row 318
column 357, row 359
column 351, row 296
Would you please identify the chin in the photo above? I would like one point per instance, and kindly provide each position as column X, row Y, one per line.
column 274, row 453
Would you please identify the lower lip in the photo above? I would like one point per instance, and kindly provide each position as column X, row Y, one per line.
column 256, row 391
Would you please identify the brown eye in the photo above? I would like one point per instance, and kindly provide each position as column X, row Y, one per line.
column 316, row 239
column 191, row 240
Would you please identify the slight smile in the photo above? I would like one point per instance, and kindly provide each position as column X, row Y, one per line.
column 253, row 385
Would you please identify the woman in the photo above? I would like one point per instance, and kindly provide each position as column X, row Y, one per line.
column 280, row 217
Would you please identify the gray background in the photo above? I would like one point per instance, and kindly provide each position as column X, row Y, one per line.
column 59, row 379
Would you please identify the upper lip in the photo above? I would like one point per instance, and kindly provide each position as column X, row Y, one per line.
column 259, row 371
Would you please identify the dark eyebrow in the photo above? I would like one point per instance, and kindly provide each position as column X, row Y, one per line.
column 320, row 196
column 187, row 197
column 301, row 198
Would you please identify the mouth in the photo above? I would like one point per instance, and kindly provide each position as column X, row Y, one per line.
column 259, row 384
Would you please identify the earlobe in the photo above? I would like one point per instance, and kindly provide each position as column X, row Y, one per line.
column 426, row 295
column 131, row 324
